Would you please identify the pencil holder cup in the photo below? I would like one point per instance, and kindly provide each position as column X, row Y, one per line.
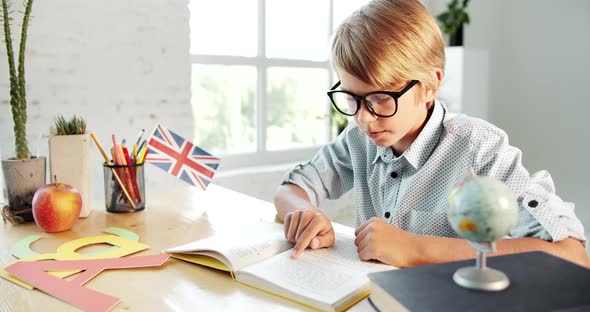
column 124, row 187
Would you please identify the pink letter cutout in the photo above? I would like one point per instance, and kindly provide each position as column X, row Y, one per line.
column 72, row 292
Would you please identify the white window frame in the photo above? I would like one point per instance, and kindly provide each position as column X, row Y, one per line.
column 262, row 156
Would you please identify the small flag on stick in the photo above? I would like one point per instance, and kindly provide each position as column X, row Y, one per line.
column 181, row 158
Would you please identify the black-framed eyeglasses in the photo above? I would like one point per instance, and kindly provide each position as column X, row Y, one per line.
column 379, row 103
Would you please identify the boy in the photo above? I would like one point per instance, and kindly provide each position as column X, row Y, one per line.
column 405, row 153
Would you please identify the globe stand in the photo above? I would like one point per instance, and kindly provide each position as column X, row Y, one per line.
column 481, row 277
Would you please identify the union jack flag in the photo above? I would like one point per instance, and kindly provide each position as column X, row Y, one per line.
column 179, row 157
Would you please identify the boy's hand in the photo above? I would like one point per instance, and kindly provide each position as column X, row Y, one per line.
column 378, row 240
column 308, row 228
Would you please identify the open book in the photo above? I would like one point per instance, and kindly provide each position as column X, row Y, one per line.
column 330, row 279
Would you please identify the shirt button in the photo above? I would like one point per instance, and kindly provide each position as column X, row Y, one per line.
column 533, row 203
column 387, row 214
column 394, row 175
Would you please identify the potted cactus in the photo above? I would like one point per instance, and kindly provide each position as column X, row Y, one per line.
column 23, row 174
column 69, row 157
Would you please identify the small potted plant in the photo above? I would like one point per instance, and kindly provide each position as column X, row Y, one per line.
column 20, row 190
column 338, row 121
column 69, row 157
column 452, row 20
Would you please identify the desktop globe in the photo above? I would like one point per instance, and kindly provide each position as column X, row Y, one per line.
column 482, row 210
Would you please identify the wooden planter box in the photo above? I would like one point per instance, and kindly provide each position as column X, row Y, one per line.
column 69, row 163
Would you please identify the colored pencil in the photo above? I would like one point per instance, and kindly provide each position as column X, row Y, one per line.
column 132, row 177
column 106, row 161
column 125, row 173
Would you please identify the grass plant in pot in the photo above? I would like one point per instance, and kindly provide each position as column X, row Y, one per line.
column 23, row 174
column 69, row 157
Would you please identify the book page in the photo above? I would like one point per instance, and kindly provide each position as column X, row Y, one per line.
column 322, row 277
column 246, row 245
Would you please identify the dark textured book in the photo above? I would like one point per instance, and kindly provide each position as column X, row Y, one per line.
column 538, row 282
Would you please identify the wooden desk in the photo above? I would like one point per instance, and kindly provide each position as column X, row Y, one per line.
column 169, row 220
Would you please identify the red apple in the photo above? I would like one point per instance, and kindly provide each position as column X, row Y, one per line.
column 56, row 207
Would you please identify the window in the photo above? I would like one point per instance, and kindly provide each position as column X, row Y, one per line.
column 260, row 70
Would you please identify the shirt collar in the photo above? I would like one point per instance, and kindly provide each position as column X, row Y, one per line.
column 419, row 151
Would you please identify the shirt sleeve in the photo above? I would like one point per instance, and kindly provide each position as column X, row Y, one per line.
column 542, row 214
column 328, row 174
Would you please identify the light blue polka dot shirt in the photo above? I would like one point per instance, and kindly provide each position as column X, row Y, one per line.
column 411, row 191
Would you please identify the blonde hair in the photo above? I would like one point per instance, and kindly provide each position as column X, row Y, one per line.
column 389, row 42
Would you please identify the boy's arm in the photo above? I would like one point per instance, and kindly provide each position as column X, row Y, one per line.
column 379, row 240
column 443, row 249
column 541, row 212
column 305, row 225
column 289, row 198
column 327, row 175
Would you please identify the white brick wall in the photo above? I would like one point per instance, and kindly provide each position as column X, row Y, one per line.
column 123, row 65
